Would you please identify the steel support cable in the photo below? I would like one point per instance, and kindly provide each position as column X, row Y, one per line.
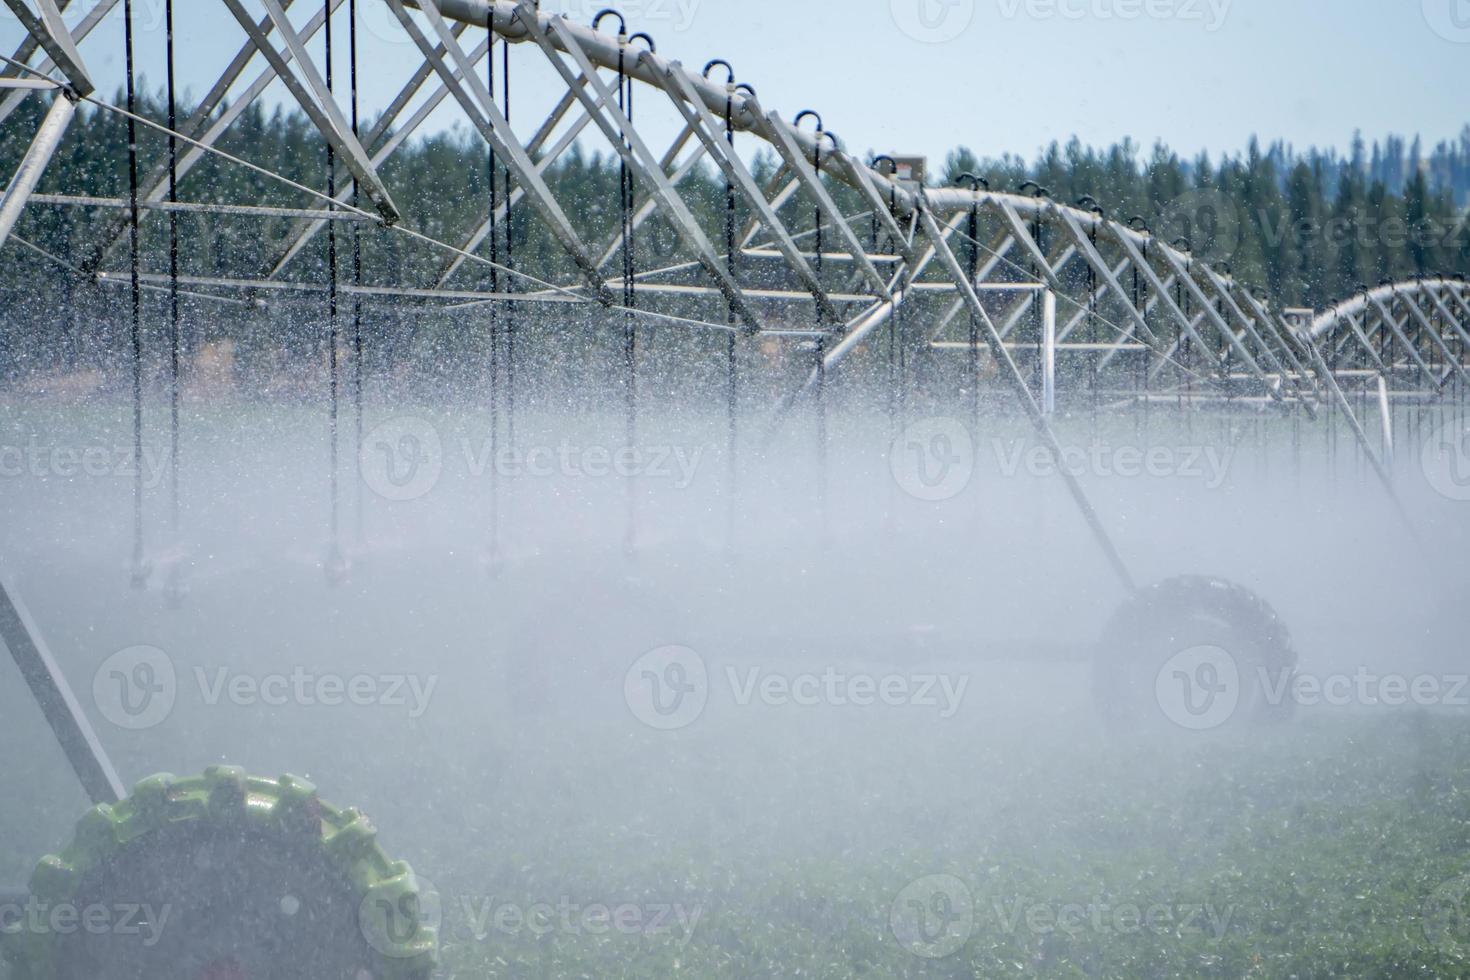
column 108, row 281
column 647, row 275
column 140, row 571
column 568, row 292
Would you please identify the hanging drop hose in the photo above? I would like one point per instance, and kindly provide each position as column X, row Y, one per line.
column 175, row 517
column 630, row 296
column 357, row 340
column 1185, row 347
column 510, row 279
column 336, row 567
column 1140, row 304
column 493, row 532
column 140, row 567
column 1038, row 232
column 895, row 354
column 973, row 258
column 819, row 348
column 732, row 389
column 1091, row 203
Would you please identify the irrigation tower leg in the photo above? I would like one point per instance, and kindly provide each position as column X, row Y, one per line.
column 58, row 703
column 1012, row 376
column 34, row 163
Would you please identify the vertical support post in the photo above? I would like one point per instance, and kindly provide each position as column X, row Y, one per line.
column 1385, row 414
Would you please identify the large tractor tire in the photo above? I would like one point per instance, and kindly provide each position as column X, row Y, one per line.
column 222, row 877
column 1195, row 653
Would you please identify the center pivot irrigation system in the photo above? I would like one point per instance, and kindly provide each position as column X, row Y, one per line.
column 836, row 257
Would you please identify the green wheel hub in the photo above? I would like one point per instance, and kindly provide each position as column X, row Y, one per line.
column 222, row 877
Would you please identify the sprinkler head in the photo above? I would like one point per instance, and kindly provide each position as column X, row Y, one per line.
column 174, row 593
column 337, row 568
column 223, row 970
column 140, row 573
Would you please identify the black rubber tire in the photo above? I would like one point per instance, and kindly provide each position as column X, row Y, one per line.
column 234, row 876
column 1165, row 621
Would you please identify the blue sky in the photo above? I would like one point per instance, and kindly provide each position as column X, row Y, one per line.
column 998, row 75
